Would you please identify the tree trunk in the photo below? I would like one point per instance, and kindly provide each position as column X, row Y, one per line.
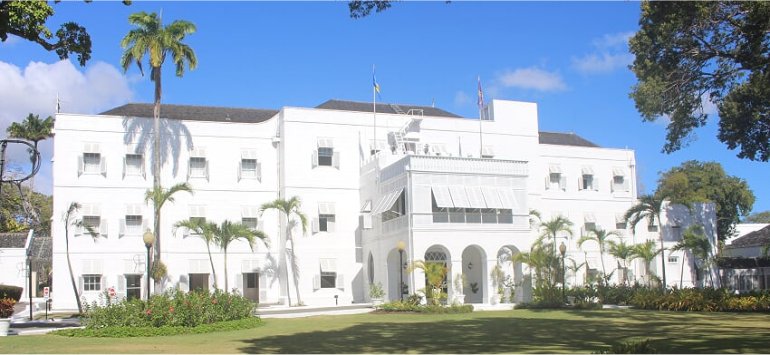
column 211, row 260
column 226, row 285
column 283, row 263
column 69, row 264
column 156, row 164
column 604, row 271
column 681, row 274
column 295, row 272
column 662, row 253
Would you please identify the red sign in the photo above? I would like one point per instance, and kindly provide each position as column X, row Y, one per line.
column 46, row 292
column 112, row 291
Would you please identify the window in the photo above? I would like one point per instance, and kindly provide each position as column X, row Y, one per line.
column 652, row 228
column 198, row 219
column 133, row 224
column 326, row 217
column 93, row 222
column 673, row 259
column 325, row 221
column 133, row 287
column 250, row 222
column 554, row 179
column 92, row 282
column 325, row 156
column 619, row 181
column 249, row 168
column 252, row 279
column 589, row 226
column 587, row 182
column 134, row 165
column 328, row 276
column 92, row 163
column 620, row 221
column 197, row 167
column 199, row 282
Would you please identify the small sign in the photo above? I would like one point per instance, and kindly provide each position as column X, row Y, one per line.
column 46, row 292
column 112, row 291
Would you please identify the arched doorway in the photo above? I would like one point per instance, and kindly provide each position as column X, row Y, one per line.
column 474, row 265
column 438, row 254
column 513, row 274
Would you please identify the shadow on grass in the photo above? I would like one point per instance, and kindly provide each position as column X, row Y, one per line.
column 580, row 332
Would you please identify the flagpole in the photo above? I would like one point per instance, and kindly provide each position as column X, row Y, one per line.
column 374, row 108
column 481, row 105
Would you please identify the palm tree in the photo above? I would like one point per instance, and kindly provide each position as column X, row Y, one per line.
column 70, row 219
column 151, row 38
column 159, row 196
column 623, row 252
column 549, row 230
column 292, row 210
column 601, row 237
column 646, row 251
column 228, row 232
column 575, row 267
column 650, row 208
column 34, row 130
column 695, row 241
column 435, row 273
column 204, row 231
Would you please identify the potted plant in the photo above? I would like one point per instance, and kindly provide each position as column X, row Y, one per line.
column 460, row 282
column 376, row 293
column 6, row 311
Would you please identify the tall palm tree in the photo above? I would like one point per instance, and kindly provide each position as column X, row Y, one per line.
column 228, row 232
column 151, row 38
column 647, row 252
column 70, row 219
column 575, row 267
column 554, row 226
column 204, row 231
column 159, row 197
column 650, row 208
column 34, row 130
column 435, row 273
column 602, row 238
column 623, row 252
column 291, row 210
column 695, row 242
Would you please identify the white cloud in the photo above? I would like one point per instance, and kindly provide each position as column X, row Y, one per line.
column 610, row 53
column 34, row 89
column 461, row 98
column 708, row 107
column 531, row 78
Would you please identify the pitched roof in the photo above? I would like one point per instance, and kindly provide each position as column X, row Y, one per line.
column 13, row 240
column 194, row 113
column 756, row 238
column 384, row 108
column 572, row 139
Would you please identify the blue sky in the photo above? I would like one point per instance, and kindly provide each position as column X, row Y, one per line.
column 570, row 58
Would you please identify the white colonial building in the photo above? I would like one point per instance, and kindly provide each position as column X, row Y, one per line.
column 445, row 188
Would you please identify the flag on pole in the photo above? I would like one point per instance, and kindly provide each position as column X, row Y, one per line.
column 374, row 82
column 481, row 95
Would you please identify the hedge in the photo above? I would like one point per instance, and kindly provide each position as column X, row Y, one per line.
column 13, row 292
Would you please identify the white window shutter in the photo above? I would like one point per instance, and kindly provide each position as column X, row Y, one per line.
column 184, row 283
column 121, row 283
column 336, row 160
column 189, row 168
column 563, row 182
column 211, row 283
column 103, row 285
column 122, row 228
column 80, row 286
column 144, row 171
column 103, row 163
column 330, row 226
column 367, row 220
column 207, row 170
column 260, row 224
column 580, row 183
column 313, row 159
column 239, row 282
column 596, row 183
column 548, row 182
column 80, row 165
column 314, row 225
column 240, row 169
column 340, row 282
column 625, row 184
column 259, row 171
column 124, row 166
column 316, row 282
column 77, row 230
column 103, row 228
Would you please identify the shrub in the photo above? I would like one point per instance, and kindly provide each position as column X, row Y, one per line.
column 701, row 300
column 174, row 308
column 12, row 292
column 130, row 331
column 630, row 347
column 405, row 306
column 6, row 307
column 376, row 291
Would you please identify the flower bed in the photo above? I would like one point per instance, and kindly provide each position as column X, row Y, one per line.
column 399, row 306
column 128, row 331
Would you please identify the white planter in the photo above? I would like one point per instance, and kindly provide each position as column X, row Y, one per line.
column 459, row 299
column 5, row 325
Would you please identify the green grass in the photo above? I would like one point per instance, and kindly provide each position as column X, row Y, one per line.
column 518, row 331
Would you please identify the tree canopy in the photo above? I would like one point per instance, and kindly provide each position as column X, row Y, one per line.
column 758, row 217
column 695, row 181
column 26, row 19
column 359, row 9
column 692, row 53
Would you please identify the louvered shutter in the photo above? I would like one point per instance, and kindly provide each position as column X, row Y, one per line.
column 80, row 286
column 340, row 282
column 239, row 282
column 124, row 167
column 336, row 159
column 314, row 225
column 240, row 169
column 367, row 220
column 314, row 159
column 122, row 228
column 316, row 282
column 184, row 283
column 547, row 182
column 103, row 165
column 580, row 183
column 80, row 165
column 259, row 171
column 207, row 170
column 103, row 228
column 596, row 183
column 103, row 286
column 121, row 286
column 189, row 168
column 563, row 182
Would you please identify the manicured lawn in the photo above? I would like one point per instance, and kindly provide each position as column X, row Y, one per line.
column 528, row 331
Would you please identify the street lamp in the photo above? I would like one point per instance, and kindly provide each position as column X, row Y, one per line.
column 563, row 250
column 149, row 240
column 401, row 246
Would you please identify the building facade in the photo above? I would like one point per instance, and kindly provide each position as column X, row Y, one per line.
column 381, row 188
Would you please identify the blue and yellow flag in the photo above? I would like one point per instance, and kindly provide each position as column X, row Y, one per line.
column 374, row 82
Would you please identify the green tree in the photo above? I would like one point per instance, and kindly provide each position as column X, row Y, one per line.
column 758, row 217
column 151, row 38
column 695, row 181
column 695, row 241
column 690, row 52
column 26, row 19
column 602, row 238
column 435, row 274
column 623, row 252
column 22, row 209
column 34, row 130
column 649, row 208
column 291, row 211
column 228, row 232
column 70, row 219
column 159, row 197
column 359, row 9
column 647, row 252
column 201, row 229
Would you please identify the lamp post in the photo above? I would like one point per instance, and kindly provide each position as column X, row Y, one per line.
column 149, row 240
column 401, row 246
column 563, row 250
